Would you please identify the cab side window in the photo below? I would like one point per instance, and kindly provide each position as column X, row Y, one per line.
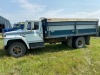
column 36, row 25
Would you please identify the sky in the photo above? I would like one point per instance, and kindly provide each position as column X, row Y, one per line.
column 22, row 10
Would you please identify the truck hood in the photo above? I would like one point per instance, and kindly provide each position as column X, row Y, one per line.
column 10, row 29
column 14, row 32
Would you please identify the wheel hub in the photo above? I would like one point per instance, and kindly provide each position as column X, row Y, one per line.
column 80, row 43
column 17, row 50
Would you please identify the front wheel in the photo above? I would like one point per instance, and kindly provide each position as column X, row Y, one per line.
column 17, row 49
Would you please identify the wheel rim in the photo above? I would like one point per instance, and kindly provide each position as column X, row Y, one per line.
column 80, row 43
column 17, row 50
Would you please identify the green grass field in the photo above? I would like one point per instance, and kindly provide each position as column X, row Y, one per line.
column 54, row 60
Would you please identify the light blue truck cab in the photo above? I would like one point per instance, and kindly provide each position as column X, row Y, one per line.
column 69, row 31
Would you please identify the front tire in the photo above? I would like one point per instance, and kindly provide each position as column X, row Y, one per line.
column 17, row 49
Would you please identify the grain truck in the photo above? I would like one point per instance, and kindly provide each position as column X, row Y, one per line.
column 74, row 32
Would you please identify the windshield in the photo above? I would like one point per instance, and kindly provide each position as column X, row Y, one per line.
column 18, row 26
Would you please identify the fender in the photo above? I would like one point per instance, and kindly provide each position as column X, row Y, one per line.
column 9, row 38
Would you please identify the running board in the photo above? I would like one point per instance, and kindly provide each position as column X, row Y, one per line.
column 36, row 45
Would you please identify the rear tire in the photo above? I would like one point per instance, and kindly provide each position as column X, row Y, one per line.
column 17, row 49
column 78, row 42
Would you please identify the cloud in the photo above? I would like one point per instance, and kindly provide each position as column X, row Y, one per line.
column 28, row 10
column 29, row 6
column 53, row 13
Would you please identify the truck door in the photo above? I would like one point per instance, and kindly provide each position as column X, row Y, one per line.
column 34, row 32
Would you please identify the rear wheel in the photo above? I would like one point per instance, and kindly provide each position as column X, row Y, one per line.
column 17, row 49
column 79, row 42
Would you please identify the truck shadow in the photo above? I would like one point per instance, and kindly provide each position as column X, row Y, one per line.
column 2, row 53
column 47, row 49
column 51, row 49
